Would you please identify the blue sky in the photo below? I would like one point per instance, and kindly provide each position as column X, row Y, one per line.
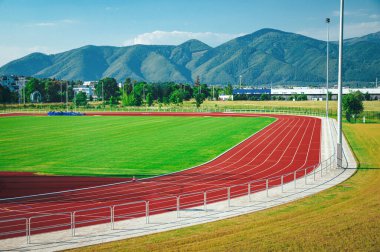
column 52, row 26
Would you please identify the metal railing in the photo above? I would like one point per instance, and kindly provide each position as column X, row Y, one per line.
column 369, row 115
column 114, row 213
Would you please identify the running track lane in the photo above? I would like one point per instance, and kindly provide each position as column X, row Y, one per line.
column 291, row 143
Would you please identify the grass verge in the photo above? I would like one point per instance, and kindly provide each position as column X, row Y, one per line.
column 345, row 217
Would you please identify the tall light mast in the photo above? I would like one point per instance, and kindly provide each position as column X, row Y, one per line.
column 339, row 143
column 327, row 69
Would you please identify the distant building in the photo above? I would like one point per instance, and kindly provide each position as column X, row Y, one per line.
column 320, row 93
column 90, row 83
column 88, row 90
column 252, row 91
column 13, row 82
column 226, row 97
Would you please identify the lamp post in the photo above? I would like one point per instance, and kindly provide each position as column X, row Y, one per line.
column 327, row 69
column 67, row 96
column 339, row 143
column 103, row 94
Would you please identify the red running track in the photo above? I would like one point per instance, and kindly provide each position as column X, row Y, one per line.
column 284, row 148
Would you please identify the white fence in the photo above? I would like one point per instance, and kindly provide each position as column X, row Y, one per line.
column 42, row 223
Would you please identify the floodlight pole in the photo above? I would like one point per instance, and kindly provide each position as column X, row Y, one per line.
column 19, row 94
column 67, row 96
column 327, row 70
column 240, row 80
column 339, row 144
column 102, row 93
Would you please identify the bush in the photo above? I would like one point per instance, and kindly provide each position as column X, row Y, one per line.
column 353, row 105
column 81, row 99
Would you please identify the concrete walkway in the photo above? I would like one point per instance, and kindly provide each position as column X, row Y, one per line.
column 324, row 177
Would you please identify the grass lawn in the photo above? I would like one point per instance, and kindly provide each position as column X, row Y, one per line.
column 117, row 146
column 343, row 218
column 368, row 105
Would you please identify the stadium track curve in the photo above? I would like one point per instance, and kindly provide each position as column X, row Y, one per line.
column 289, row 144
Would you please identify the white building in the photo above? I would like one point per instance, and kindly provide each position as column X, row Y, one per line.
column 226, row 97
column 90, row 83
column 89, row 91
column 14, row 83
column 317, row 93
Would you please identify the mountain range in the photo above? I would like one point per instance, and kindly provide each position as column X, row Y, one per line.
column 265, row 56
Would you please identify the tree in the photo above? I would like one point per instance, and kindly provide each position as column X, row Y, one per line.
column 113, row 100
column 199, row 98
column 52, row 90
column 353, row 104
column 5, row 94
column 108, row 87
column 176, row 97
column 228, row 90
column 301, row 97
column 367, row 96
column 330, row 95
column 81, row 99
column 32, row 85
column 149, row 99
column 187, row 92
column 264, row 97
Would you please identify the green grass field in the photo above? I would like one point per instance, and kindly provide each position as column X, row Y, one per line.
column 117, row 146
column 343, row 218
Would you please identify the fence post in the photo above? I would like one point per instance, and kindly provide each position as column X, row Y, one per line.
column 267, row 187
column 27, row 230
column 112, row 217
column 28, row 238
column 147, row 212
column 330, row 166
column 205, row 201
column 249, row 192
column 305, row 176
column 330, row 163
column 72, row 224
column 178, row 206
column 295, row 179
column 73, row 231
column 282, row 183
column 229, row 196
column 321, row 169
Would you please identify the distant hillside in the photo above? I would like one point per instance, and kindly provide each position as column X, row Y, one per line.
column 265, row 56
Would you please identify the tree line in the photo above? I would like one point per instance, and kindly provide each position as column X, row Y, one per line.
column 51, row 90
column 107, row 90
column 133, row 93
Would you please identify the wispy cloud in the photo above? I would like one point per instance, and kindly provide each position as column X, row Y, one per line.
column 9, row 52
column 360, row 13
column 360, row 29
column 45, row 24
column 109, row 8
column 178, row 37
column 351, row 30
column 68, row 21
column 53, row 23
